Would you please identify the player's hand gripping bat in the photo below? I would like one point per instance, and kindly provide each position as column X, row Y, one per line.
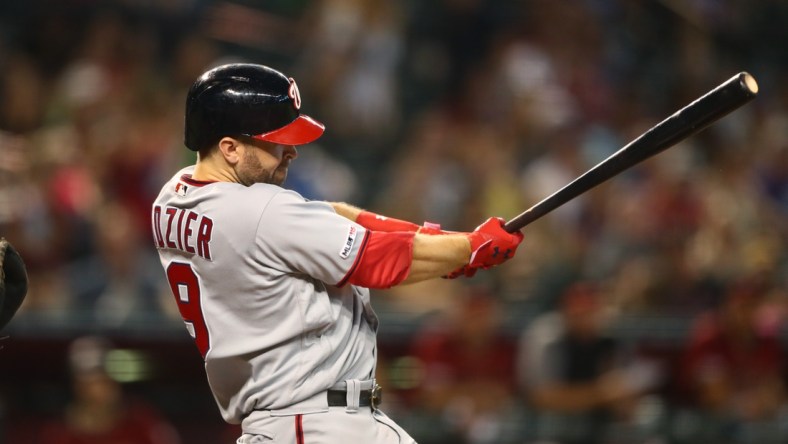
column 687, row 121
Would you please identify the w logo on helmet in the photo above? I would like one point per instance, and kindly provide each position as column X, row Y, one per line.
column 294, row 94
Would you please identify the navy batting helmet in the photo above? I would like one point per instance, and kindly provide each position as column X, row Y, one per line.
column 250, row 100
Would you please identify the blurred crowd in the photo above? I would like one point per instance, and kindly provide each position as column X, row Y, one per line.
column 447, row 111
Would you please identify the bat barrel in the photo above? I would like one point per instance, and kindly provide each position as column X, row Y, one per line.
column 689, row 120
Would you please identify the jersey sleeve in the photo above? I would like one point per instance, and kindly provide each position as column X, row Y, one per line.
column 309, row 237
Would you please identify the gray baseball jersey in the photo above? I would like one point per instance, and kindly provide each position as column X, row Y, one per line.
column 258, row 273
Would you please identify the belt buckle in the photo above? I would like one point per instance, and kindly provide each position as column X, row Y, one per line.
column 376, row 398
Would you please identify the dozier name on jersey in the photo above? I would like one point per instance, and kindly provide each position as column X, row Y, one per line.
column 183, row 230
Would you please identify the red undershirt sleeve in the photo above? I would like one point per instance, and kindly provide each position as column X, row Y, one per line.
column 376, row 222
column 383, row 260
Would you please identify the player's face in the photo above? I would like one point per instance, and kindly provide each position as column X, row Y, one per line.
column 265, row 162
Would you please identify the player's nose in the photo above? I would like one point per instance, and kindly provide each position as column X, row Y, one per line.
column 290, row 152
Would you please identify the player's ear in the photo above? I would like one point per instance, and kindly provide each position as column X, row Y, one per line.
column 230, row 149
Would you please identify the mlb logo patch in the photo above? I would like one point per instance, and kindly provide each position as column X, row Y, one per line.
column 347, row 247
column 180, row 189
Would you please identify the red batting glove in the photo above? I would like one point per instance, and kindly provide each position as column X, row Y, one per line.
column 492, row 245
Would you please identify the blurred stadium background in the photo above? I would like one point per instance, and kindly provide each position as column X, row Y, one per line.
column 441, row 110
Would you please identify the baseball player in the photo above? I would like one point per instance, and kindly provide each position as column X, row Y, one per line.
column 273, row 287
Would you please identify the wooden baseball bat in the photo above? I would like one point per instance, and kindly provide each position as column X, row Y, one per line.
column 685, row 122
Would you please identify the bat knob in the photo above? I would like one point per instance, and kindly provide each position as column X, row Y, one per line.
column 748, row 81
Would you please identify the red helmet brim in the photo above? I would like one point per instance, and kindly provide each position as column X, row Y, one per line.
column 300, row 131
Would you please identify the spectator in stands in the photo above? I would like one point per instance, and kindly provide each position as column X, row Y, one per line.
column 100, row 412
column 582, row 387
column 468, row 365
column 114, row 286
column 732, row 369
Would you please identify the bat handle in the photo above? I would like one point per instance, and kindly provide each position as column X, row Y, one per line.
column 519, row 222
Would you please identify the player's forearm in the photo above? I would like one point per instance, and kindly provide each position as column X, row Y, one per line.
column 436, row 256
column 346, row 210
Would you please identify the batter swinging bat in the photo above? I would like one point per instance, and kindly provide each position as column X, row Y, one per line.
column 687, row 121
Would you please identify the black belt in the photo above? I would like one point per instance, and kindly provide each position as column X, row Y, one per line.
column 367, row 398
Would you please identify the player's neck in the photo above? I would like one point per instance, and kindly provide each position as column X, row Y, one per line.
column 207, row 171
